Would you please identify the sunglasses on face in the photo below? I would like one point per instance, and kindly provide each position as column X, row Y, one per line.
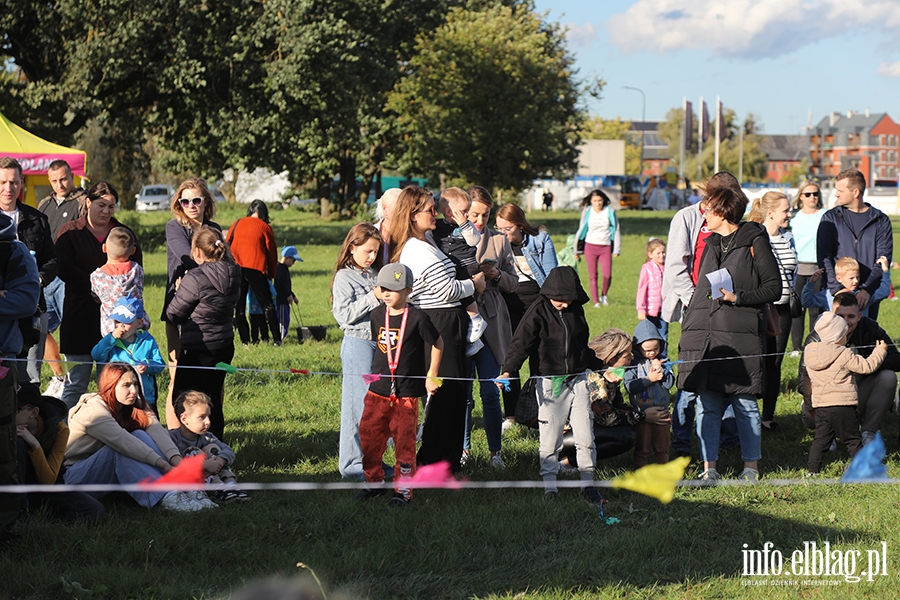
column 810, row 194
column 185, row 202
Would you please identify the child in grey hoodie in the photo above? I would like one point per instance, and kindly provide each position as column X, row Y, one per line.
column 648, row 384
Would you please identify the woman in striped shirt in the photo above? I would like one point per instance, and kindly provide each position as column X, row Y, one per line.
column 773, row 212
column 436, row 291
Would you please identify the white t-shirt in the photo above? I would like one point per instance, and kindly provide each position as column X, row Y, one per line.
column 598, row 232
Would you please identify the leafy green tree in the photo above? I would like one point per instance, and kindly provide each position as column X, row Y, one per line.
column 489, row 97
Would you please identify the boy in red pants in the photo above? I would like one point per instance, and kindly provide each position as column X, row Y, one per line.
column 391, row 406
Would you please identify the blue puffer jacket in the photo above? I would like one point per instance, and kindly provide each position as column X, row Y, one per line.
column 21, row 285
column 540, row 255
column 836, row 239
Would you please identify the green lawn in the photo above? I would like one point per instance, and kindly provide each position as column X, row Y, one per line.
column 452, row 544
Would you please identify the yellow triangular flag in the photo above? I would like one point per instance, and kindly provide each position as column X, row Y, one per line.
column 657, row 481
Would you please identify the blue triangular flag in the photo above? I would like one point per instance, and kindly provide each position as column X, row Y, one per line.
column 868, row 463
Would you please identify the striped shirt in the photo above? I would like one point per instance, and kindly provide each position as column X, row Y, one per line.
column 434, row 277
column 786, row 257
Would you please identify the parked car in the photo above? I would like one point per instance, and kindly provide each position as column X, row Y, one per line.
column 154, row 197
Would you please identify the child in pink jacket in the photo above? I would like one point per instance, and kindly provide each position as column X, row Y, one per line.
column 649, row 293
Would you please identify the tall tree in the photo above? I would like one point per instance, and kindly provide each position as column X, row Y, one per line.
column 490, row 97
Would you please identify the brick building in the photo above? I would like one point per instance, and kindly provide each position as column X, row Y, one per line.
column 840, row 141
column 784, row 152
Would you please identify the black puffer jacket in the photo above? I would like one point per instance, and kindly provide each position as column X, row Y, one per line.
column 204, row 305
column 34, row 232
column 717, row 330
column 561, row 336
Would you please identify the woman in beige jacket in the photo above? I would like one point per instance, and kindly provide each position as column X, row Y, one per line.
column 495, row 257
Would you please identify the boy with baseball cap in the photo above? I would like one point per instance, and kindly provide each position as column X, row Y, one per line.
column 284, row 293
column 391, row 407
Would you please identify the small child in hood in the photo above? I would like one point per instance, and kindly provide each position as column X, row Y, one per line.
column 648, row 384
column 831, row 366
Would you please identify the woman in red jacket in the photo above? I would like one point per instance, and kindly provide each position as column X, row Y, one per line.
column 253, row 246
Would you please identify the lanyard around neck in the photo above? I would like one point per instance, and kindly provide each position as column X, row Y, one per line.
column 394, row 360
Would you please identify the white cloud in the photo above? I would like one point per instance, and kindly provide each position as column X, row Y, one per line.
column 746, row 28
column 580, row 35
column 891, row 70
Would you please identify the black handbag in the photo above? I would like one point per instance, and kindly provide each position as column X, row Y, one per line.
column 796, row 306
column 527, row 406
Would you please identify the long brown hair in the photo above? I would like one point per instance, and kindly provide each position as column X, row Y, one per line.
column 515, row 215
column 358, row 235
column 209, row 203
column 411, row 200
column 137, row 418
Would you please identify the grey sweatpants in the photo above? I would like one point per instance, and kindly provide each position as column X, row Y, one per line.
column 573, row 404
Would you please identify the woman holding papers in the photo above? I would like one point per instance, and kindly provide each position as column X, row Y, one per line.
column 723, row 336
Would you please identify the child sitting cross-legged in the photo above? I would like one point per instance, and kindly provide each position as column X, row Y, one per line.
column 130, row 344
column 193, row 437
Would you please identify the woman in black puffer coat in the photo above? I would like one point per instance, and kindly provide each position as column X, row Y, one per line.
column 723, row 339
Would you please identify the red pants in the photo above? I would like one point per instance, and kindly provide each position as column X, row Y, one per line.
column 651, row 437
column 385, row 417
column 594, row 254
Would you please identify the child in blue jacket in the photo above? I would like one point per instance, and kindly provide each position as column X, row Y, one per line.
column 648, row 384
column 128, row 343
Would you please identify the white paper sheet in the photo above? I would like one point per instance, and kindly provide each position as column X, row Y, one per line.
column 720, row 279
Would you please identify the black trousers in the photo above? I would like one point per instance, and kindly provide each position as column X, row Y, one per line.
column 518, row 304
column 797, row 325
column 831, row 421
column 251, row 279
column 445, row 422
column 9, row 503
column 209, row 381
column 775, row 347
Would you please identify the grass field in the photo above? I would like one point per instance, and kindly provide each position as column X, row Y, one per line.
column 506, row 543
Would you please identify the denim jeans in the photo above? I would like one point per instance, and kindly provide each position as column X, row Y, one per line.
column 54, row 295
column 486, row 365
column 710, row 409
column 683, row 425
column 356, row 359
column 108, row 466
column 78, row 377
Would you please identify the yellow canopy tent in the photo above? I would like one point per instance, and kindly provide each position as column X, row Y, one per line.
column 35, row 155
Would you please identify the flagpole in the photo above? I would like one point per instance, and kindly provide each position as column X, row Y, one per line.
column 741, row 155
column 718, row 116
column 700, row 143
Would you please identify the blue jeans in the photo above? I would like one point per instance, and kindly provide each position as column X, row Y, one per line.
column 710, row 408
column 78, row 377
column 54, row 295
column 683, row 425
column 486, row 365
column 356, row 359
column 108, row 466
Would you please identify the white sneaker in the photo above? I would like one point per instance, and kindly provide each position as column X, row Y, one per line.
column 202, row 499
column 507, row 425
column 465, row 459
column 477, row 325
column 55, row 387
column 180, row 502
column 604, row 301
column 474, row 348
column 497, row 462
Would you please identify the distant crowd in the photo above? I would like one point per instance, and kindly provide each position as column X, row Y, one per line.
column 428, row 307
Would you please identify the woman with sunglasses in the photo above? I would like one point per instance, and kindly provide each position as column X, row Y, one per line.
column 192, row 207
column 437, row 292
column 808, row 210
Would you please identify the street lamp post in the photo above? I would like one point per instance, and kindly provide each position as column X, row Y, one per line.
column 643, row 119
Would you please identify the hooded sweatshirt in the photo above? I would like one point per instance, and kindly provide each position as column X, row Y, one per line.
column 561, row 336
column 831, row 366
column 20, row 281
column 204, row 305
column 645, row 393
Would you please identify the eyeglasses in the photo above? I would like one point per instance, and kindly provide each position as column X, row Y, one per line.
column 506, row 229
column 185, row 202
column 431, row 210
column 810, row 194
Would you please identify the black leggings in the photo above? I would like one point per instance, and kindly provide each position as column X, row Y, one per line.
column 209, row 381
column 251, row 279
column 775, row 347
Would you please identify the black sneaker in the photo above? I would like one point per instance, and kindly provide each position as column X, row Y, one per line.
column 398, row 501
column 592, row 495
column 231, row 494
column 365, row 495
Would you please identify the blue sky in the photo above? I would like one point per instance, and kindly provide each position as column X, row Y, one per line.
column 777, row 59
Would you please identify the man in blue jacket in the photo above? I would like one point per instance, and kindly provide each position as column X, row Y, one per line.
column 854, row 228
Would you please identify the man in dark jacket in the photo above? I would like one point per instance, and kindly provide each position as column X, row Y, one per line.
column 876, row 391
column 854, row 228
column 33, row 230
